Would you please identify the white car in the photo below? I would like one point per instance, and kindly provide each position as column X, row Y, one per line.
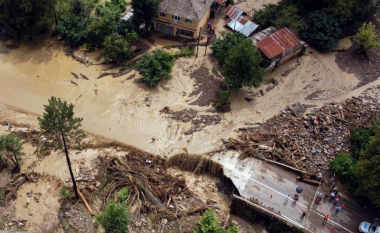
column 367, row 227
column 128, row 15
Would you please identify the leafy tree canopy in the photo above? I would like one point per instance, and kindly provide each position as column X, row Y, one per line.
column 369, row 169
column 59, row 118
column 143, row 13
column 26, row 20
column 367, row 37
column 346, row 166
column 209, row 223
column 72, row 25
column 322, row 31
column 11, row 148
column 156, row 66
column 241, row 67
column 114, row 218
column 118, row 48
column 288, row 17
column 99, row 29
column 227, row 41
column 266, row 17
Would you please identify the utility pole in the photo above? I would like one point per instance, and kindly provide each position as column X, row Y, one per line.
column 199, row 37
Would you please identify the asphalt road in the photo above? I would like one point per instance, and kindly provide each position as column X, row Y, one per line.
column 270, row 185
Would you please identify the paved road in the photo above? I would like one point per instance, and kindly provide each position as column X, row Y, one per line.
column 270, row 184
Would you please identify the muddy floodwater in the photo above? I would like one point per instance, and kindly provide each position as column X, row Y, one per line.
column 127, row 110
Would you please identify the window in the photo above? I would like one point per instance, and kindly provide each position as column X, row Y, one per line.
column 185, row 32
column 176, row 18
column 162, row 14
column 189, row 21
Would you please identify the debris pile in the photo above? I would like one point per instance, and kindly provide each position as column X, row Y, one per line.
column 198, row 122
column 311, row 141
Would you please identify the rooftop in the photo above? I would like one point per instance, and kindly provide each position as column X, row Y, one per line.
column 243, row 24
column 189, row 9
column 278, row 43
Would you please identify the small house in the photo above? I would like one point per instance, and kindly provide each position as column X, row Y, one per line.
column 185, row 18
column 280, row 47
column 238, row 20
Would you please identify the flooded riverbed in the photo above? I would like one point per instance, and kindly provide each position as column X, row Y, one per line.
column 127, row 110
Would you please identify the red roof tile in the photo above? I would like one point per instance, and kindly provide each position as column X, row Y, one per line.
column 278, row 43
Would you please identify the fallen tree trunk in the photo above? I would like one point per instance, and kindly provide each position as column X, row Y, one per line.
column 85, row 202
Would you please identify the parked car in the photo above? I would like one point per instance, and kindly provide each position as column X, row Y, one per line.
column 367, row 227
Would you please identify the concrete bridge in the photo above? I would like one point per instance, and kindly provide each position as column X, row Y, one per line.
column 270, row 184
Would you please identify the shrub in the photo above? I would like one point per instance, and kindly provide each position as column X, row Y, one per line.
column 156, row 66
column 185, row 52
column 223, row 104
column 209, row 223
column 123, row 194
column 65, row 193
column 114, row 218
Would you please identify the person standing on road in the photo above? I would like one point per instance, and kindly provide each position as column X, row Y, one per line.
column 337, row 210
column 326, row 218
column 332, row 195
column 342, row 206
column 331, row 180
column 303, row 215
column 286, row 199
column 326, row 196
column 336, row 200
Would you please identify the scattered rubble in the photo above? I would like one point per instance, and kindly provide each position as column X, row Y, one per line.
column 207, row 86
column 198, row 122
column 298, row 141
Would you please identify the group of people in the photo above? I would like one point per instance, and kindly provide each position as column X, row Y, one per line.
column 316, row 120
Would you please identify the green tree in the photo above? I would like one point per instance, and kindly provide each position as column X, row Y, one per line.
column 266, row 17
column 222, row 45
column 322, row 31
column 209, row 223
column 369, row 169
column 367, row 37
column 143, row 13
column 60, row 127
column 99, row 29
column 72, row 25
column 156, row 66
column 241, row 67
column 359, row 138
column 288, row 17
column 26, row 20
column 117, row 48
column 11, row 148
column 346, row 165
column 114, row 218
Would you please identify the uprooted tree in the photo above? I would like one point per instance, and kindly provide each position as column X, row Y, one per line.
column 11, row 148
column 62, row 130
